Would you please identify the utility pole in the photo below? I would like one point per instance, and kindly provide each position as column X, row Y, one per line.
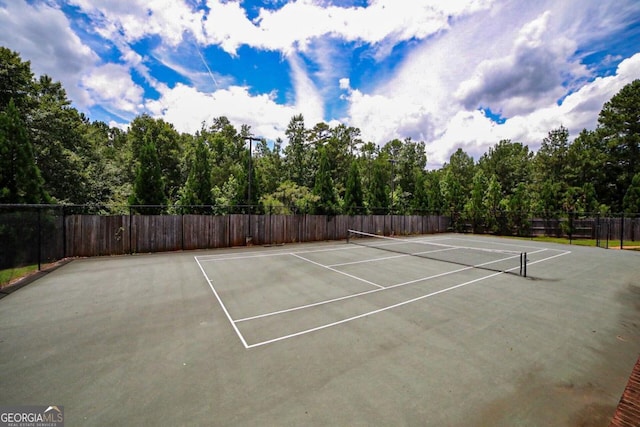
column 393, row 190
column 250, row 138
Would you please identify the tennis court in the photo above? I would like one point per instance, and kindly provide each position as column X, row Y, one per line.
column 286, row 294
column 431, row 330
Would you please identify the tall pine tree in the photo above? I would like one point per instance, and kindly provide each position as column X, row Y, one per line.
column 197, row 189
column 378, row 200
column 20, row 179
column 148, row 188
column 353, row 196
column 632, row 196
column 323, row 188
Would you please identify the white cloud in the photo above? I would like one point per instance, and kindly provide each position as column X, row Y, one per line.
column 135, row 19
column 227, row 25
column 516, row 58
column 382, row 22
column 475, row 133
column 51, row 46
column 528, row 77
column 519, row 64
column 289, row 28
column 187, row 108
column 308, row 100
column 111, row 84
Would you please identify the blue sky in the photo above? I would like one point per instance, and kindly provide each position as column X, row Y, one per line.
column 455, row 74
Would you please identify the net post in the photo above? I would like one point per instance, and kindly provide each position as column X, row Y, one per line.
column 524, row 260
column 521, row 263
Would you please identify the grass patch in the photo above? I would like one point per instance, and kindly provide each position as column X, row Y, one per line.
column 10, row 274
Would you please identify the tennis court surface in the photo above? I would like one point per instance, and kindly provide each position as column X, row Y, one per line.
column 431, row 330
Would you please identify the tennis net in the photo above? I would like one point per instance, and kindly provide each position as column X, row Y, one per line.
column 482, row 258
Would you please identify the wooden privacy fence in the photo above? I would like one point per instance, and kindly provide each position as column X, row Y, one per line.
column 39, row 234
column 91, row 235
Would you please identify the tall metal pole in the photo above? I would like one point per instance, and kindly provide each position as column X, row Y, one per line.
column 251, row 139
column 393, row 190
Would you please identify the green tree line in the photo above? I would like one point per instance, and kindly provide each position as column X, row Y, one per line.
column 52, row 153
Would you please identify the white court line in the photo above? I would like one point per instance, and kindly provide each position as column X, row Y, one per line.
column 390, row 257
column 500, row 243
column 399, row 241
column 360, row 316
column 410, row 282
column 370, row 313
column 338, row 271
column 277, row 252
column 224, row 308
column 359, row 294
column 551, row 257
column 247, row 346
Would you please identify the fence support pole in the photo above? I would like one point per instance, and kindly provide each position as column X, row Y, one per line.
column 598, row 230
column 130, row 228
column 64, row 232
column 622, row 231
column 570, row 228
column 39, row 239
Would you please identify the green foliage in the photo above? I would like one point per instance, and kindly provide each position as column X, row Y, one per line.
column 455, row 186
column 510, row 162
column 197, row 189
column 420, row 200
column 327, row 203
column 353, row 195
column 225, row 196
column 267, row 167
column 288, row 198
column 619, row 129
column 378, row 190
column 518, row 206
column 474, row 208
column 493, row 205
column 632, row 196
column 16, row 81
column 50, row 151
column 297, row 161
column 20, row 179
column 435, row 201
column 148, row 188
column 59, row 135
column 144, row 129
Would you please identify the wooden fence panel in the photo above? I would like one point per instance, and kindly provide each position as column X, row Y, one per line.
column 204, row 231
column 91, row 235
column 157, row 233
column 238, row 225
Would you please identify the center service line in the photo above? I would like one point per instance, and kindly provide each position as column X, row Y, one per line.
column 338, row 271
